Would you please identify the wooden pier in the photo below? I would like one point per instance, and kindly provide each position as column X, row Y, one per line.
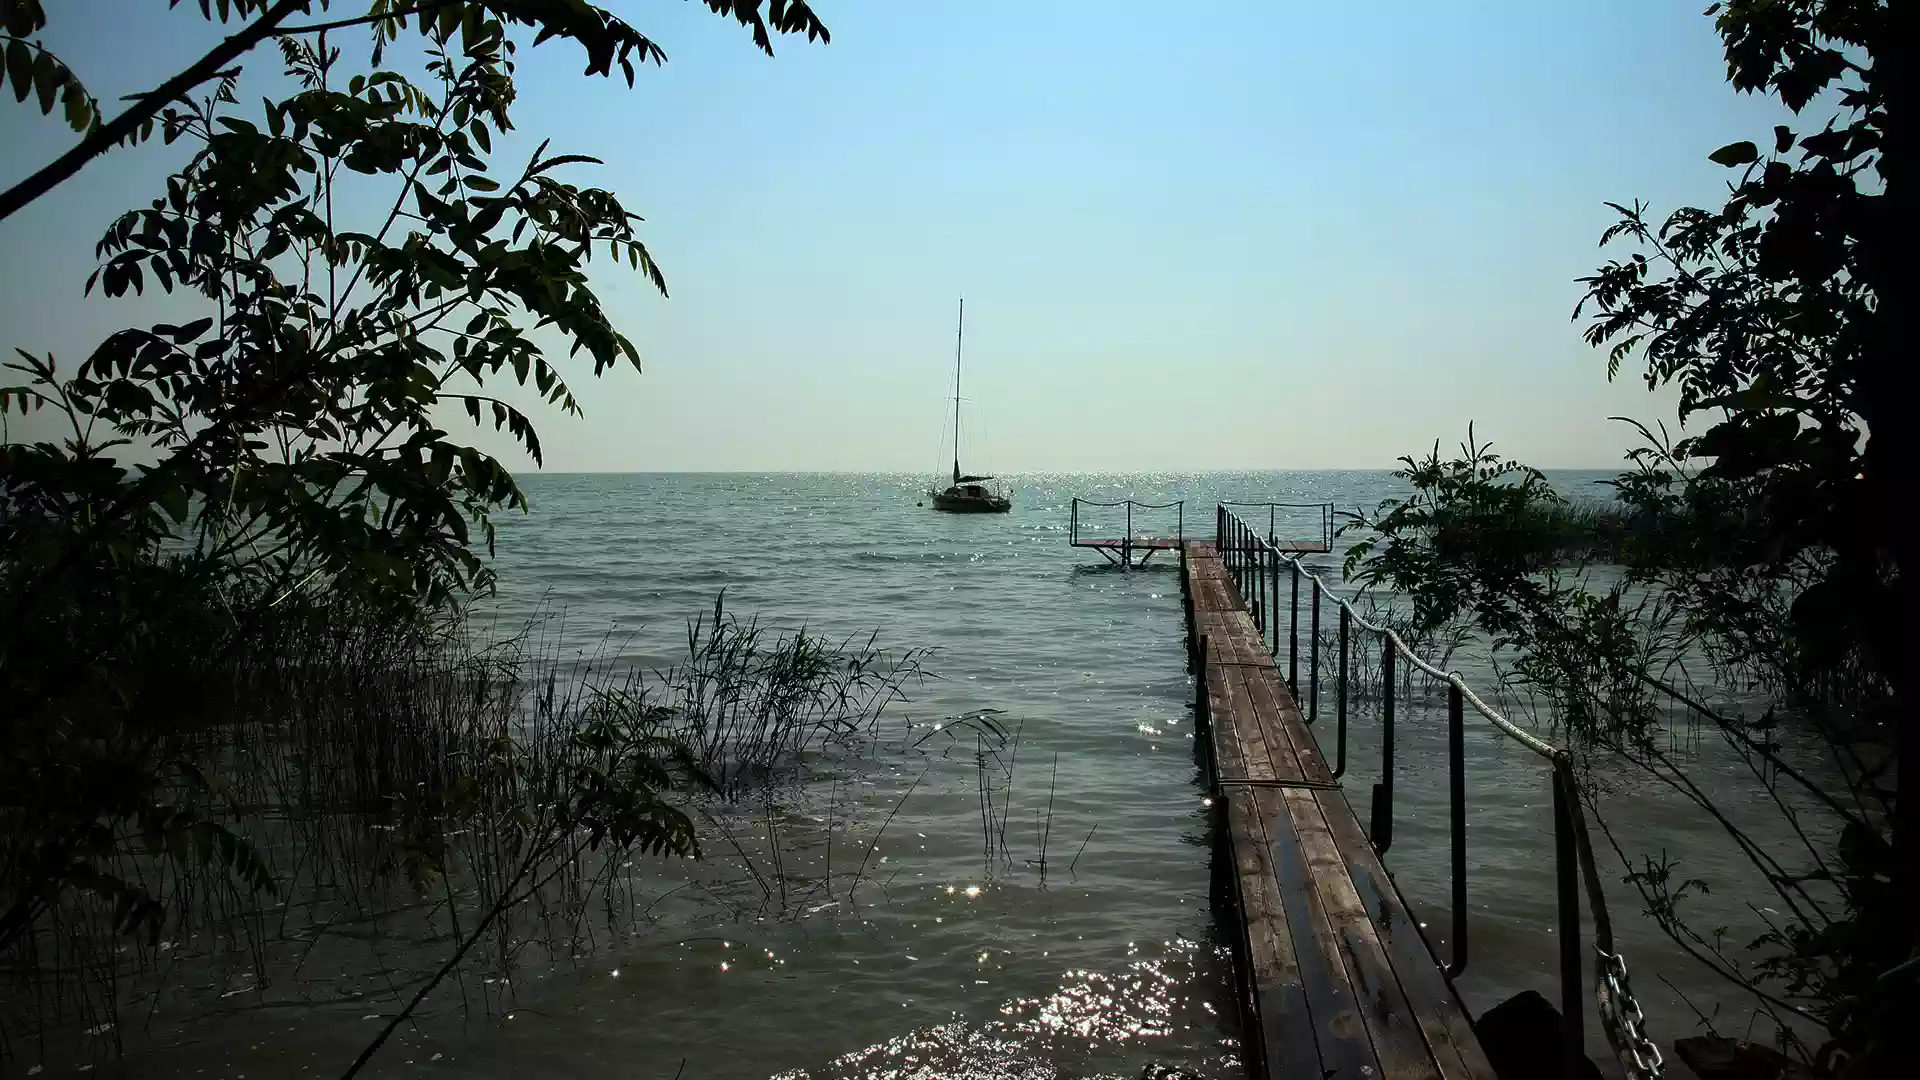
column 1336, row 979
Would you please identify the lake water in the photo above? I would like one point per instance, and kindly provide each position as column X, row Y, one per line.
column 1075, row 937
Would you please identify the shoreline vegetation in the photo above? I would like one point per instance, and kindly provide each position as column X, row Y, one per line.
column 343, row 774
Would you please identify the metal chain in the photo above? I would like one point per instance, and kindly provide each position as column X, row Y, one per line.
column 1625, row 1023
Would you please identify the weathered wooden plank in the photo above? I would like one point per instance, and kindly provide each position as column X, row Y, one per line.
column 1346, row 1050
column 1286, row 1047
column 1448, row 1029
column 1296, row 755
column 1229, row 749
column 1220, row 629
column 1263, row 690
column 1398, row 1039
column 1257, row 755
column 1213, row 592
column 1157, row 543
column 1239, row 642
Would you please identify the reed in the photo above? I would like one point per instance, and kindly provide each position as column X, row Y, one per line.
column 420, row 806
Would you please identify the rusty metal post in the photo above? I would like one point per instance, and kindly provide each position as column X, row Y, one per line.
column 1293, row 632
column 1457, row 805
column 1383, row 791
column 1340, row 699
column 1313, row 658
column 1571, row 999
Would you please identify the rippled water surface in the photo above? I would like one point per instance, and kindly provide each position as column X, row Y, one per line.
column 1070, row 937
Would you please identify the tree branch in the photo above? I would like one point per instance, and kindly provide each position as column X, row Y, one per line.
column 108, row 135
column 320, row 28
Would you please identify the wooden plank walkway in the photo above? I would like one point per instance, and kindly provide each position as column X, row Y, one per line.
column 1122, row 551
column 1336, row 981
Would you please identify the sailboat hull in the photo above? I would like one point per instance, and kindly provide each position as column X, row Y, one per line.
column 960, row 502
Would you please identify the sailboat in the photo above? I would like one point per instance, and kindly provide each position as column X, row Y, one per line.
column 966, row 495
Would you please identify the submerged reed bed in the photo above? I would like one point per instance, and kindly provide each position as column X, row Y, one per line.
column 391, row 806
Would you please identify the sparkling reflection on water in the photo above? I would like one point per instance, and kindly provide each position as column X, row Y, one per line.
column 1070, row 1032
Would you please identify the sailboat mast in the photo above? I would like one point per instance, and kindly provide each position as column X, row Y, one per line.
column 959, row 335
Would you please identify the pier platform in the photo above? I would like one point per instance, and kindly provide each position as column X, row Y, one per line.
column 1336, row 980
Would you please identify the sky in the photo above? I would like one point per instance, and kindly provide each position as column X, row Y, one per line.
column 1190, row 236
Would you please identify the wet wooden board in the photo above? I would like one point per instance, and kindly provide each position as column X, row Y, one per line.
column 1245, row 751
column 1213, row 592
column 1155, row 543
column 1337, row 980
column 1282, row 728
column 1231, row 638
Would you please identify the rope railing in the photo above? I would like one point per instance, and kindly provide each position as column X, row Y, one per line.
column 1253, row 562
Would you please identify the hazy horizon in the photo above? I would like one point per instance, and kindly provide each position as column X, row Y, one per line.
column 1188, row 241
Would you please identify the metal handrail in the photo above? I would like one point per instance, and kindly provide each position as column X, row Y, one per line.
column 1254, row 563
column 1073, row 518
column 1131, row 502
column 1325, row 508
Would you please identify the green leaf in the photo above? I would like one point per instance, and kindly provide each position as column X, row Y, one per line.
column 1733, row 154
column 80, row 114
column 183, row 334
column 20, row 69
column 47, row 79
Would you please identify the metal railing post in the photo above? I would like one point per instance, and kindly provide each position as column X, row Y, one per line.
column 1571, row 1015
column 1231, row 554
column 1248, row 568
column 1239, row 555
column 1266, row 569
column 1274, row 649
column 1256, row 581
column 1313, row 658
column 1383, row 791
column 1293, row 632
column 1340, row 699
column 1457, row 804
column 1200, row 682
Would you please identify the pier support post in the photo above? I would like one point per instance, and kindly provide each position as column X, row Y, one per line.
column 1572, row 1014
column 1340, row 699
column 1383, row 791
column 1293, row 631
column 1457, row 807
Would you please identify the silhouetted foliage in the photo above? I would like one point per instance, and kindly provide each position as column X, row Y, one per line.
column 358, row 272
column 1767, row 550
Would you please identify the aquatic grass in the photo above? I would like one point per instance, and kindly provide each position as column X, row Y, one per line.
column 429, row 806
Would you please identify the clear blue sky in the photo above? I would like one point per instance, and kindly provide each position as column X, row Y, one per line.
column 1189, row 235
